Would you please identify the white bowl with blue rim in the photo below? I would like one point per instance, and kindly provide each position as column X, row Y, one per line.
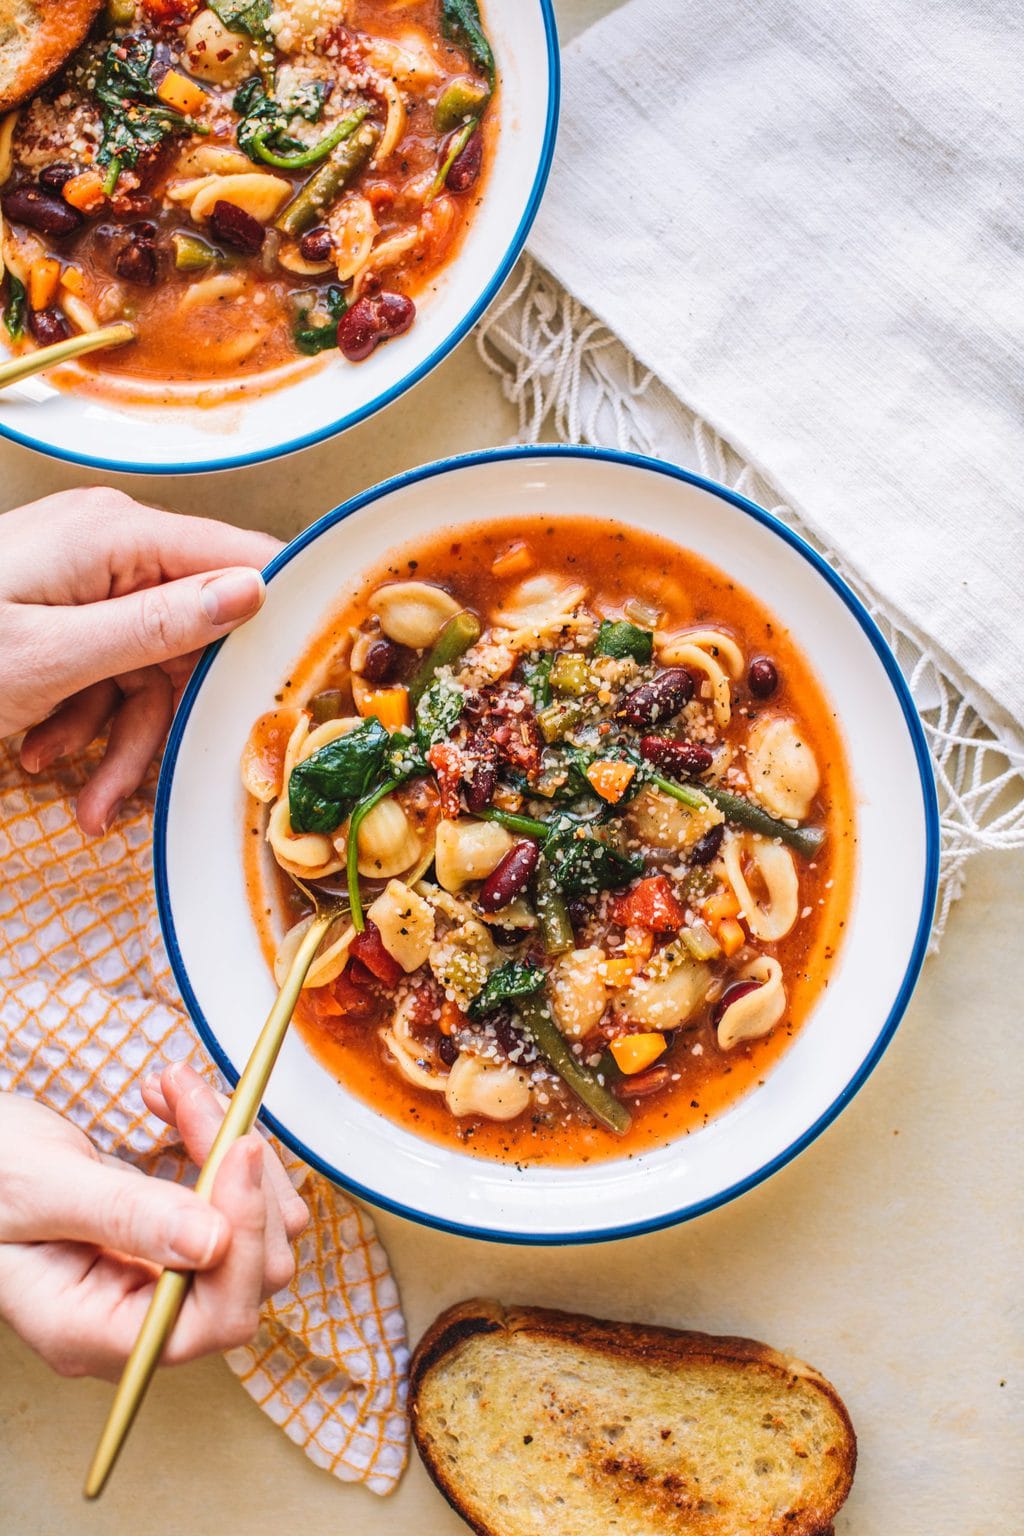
column 223, row 976
column 106, row 432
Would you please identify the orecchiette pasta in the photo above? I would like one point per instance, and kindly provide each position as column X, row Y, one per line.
column 755, row 1013
column 666, row 993
column 217, row 289
column 408, row 60
column 385, row 255
column 331, row 958
column 782, row 768
column 709, row 651
column 388, row 844
column 495, row 1090
column 540, row 607
column 215, row 53
column 665, row 823
column 7, row 127
column 463, row 960
column 309, row 855
column 394, row 125
column 578, row 991
column 415, row 1069
column 771, row 912
column 258, row 194
column 298, row 25
column 201, row 160
column 413, row 612
column 353, row 230
column 468, row 850
column 406, row 924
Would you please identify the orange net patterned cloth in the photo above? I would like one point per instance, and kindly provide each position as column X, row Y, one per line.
column 88, row 1008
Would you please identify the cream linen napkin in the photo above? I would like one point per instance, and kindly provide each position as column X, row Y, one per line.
column 87, row 1008
column 805, row 216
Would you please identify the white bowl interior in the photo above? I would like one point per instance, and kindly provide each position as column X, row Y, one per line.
column 170, row 438
column 198, row 847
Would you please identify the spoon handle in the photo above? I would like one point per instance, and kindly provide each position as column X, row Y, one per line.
column 18, row 368
column 172, row 1286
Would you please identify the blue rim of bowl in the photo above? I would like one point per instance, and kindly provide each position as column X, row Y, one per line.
column 389, row 396
column 928, row 897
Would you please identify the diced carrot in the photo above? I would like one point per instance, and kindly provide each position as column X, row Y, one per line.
column 71, row 279
column 43, row 282
column 620, row 969
column 730, row 936
column 452, row 1017
column 513, row 561
column 719, row 906
column 610, row 780
column 652, row 905
column 639, row 943
column 390, row 705
column 633, row 1053
column 181, row 93
column 85, row 192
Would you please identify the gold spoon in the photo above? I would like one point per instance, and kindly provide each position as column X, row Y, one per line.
column 172, row 1286
column 18, row 368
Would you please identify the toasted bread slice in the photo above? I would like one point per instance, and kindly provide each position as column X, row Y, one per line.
column 536, row 1423
column 37, row 37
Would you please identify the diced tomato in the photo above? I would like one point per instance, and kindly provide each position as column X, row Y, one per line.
column 168, row 12
column 446, row 761
column 368, row 947
column 520, row 743
column 340, row 1002
column 652, row 904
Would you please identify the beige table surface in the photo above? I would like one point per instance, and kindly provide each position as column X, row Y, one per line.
column 889, row 1254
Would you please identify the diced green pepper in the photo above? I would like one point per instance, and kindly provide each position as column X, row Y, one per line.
column 461, row 99
column 327, row 705
column 558, row 718
column 571, row 675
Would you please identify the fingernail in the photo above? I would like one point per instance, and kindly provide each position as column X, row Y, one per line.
column 112, row 815
column 152, row 1084
column 233, row 596
column 194, row 1235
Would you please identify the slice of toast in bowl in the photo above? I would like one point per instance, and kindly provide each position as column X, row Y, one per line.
column 538, row 1423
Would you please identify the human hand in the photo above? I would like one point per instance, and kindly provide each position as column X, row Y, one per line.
column 103, row 606
column 82, row 1236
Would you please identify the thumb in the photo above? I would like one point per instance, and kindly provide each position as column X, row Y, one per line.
column 87, row 1201
column 155, row 624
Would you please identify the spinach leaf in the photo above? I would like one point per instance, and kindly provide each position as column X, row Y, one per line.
column 311, row 337
column 306, row 99
column 134, row 117
column 437, row 712
column 261, row 116
column 14, row 309
column 537, row 677
column 325, row 786
column 511, row 980
column 249, row 16
column 460, row 23
column 583, row 865
column 621, row 639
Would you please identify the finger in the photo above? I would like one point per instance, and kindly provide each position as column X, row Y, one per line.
column 180, row 1097
column 80, row 1199
column 223, row 1308
column 99, row 543
column 71, row 727
column 136, row 735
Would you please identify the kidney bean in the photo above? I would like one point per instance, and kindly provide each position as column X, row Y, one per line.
column 642, row 1084
column 579, row 914
column 509, row 1038
column 704, row 850
column 381, row 660
column 481, row 776
column 729, row 996
column 509, row 877
column 464, row 171
column 53, row 177
column 237, row 228
column 762, row 677
column 316, row 244
column 682, row 759
column 48, row 326
column 373, row 319
column 659, row 700
column 136, row 260
column 447, row 1050
column 42, row 211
